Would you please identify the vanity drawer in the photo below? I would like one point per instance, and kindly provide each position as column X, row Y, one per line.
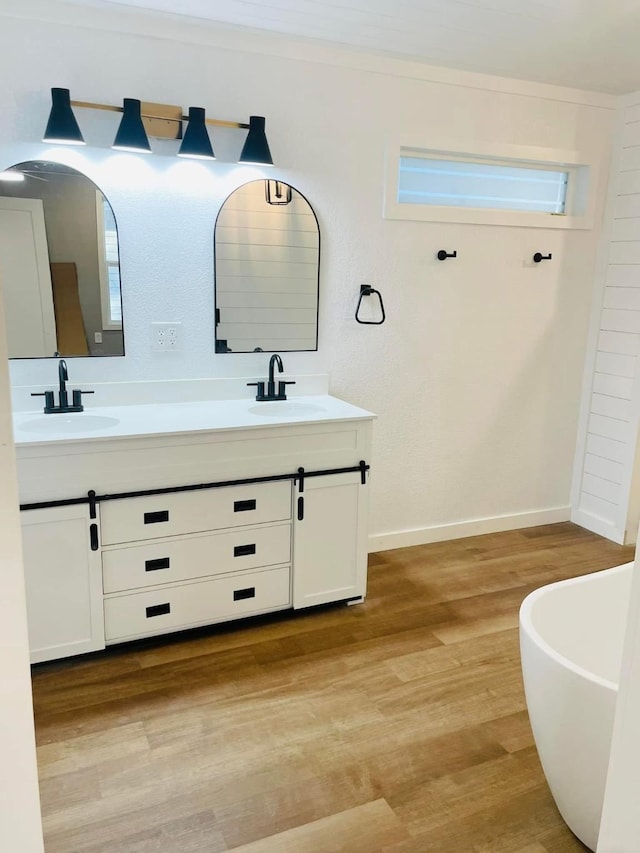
column 160, row 610
column 154, row 516
column 167, row 561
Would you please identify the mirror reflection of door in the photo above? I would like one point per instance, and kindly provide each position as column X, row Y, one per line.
column 59, row 262
column 267, row 257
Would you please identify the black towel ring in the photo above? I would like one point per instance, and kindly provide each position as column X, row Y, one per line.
column 367, row 290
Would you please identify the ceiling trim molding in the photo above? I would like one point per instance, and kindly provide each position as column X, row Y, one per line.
column 95, row 14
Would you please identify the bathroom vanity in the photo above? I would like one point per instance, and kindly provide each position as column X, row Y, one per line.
column 139, row 520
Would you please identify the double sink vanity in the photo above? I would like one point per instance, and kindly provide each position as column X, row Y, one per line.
column 143, row 519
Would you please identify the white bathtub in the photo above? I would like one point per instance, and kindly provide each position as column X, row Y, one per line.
column 571, row 639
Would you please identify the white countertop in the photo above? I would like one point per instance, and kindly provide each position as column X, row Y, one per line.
column 154, row 419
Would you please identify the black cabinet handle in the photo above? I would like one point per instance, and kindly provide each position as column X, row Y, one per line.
column 240, row 594
column 93, row 537
column 300, row 508
column 244, row 550
column 158, row 610
column 156, row 517
column 244, row 506
column 156, row 565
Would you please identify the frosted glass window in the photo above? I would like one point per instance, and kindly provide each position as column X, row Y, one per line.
column 457, row 183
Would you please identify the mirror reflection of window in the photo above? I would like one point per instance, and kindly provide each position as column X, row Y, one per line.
column 59, row 262
column 267, row 255
column 109, row 261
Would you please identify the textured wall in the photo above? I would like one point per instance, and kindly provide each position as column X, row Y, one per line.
column 476, row 374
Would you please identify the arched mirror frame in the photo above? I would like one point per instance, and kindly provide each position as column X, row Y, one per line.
column 77, row 300
column 222, row 342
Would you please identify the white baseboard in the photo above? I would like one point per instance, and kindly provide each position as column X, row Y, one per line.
column 598, row 525
column 462, row 529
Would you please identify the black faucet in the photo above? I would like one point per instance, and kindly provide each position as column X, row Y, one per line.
column 63, row 376
column 271, row 384
column 63, row 406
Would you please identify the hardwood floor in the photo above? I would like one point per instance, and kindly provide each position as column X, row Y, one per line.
column 396, row 726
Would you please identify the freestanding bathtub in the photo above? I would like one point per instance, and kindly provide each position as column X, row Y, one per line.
column 571, row 640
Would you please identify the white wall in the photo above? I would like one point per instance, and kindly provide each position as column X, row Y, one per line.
column 606, row 491
column 476, row 374
column 20, row 825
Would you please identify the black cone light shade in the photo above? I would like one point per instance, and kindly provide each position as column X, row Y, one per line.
column 131, row 135
column 196, row 142
column 256, row 147
column 62, row 125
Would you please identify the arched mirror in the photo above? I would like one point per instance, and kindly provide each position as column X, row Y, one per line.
column 267, row 263
column 59, row 264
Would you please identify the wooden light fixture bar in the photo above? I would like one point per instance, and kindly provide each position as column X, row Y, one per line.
column 162, row 121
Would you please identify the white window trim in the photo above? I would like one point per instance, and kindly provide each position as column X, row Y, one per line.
column 581, row 191
column 105, row 301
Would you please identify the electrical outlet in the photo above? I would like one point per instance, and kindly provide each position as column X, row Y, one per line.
column 97, row 337
column 166, row 337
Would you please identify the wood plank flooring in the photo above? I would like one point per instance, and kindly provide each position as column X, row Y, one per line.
column 396, row 726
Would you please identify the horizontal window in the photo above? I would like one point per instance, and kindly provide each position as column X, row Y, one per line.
column 490, row 185
column 485, row 185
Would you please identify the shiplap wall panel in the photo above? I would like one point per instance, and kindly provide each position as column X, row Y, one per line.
column 623, row 276
column 618, row 365
column 233, row 299
column 616, row 451
column 597, row 507
column 633, row 113
column 247, row 284
column 266, row 236
column 612, row 425
column 621, row 343
column 604, row 469
column 627, row 298
column 630, row 159
column 620, row 321
column 600, row 488
column 261, row 269
column 613, row 386
column 249, row 331
column 609, row 428
column 628, row 182
column 273, row 344
column 627, row 206
column 627, row 252
column 626, row 229
column 612, row 407
column 631, row 134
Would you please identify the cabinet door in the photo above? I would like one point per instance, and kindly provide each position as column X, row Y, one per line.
column 330, row 541
column 63, row 579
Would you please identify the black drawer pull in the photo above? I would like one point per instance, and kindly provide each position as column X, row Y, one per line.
column 240, row 594
column 243, row 506
column 156, row 517
column 93, row 537
column 244, row 550
column 158, row 610
column 155, row 565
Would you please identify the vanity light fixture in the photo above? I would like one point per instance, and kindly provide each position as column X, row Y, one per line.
column 142, row 119
column 196, row 142
column 62, row 125
column 131, row 135
column 256, row 148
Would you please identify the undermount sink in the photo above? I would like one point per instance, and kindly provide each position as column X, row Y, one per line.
column 74, row 423
column 286, row 409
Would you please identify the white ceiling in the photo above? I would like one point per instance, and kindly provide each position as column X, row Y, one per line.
column 587, row 44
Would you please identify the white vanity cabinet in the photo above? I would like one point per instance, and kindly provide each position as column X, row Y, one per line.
column 185, row 559
column 194, row 524
column 330, row 540
column 63, row 580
